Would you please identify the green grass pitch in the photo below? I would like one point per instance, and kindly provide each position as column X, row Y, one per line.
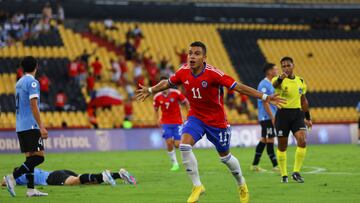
column 332, row 174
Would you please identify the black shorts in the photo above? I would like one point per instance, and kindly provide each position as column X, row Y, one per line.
column 287, row 120
column 59, row 177
column 30, row 141
column 267, row 129
column 359, row 123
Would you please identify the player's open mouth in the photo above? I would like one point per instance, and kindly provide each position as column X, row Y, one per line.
column 192, row 62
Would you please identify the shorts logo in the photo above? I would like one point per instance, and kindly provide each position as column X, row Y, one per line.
column 280, row 133
column 33, row 84
column 204, row 84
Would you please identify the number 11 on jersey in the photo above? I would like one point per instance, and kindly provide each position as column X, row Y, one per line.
column 196, row 90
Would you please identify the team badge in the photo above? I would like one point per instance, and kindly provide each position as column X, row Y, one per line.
column 300, row 90
column 263, row 90
column 204, row 84
column 33, row 84
column 172, row 100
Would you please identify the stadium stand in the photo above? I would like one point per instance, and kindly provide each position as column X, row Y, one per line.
column 238, row 49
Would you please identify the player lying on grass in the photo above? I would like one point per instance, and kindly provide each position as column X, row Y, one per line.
column 68, row 177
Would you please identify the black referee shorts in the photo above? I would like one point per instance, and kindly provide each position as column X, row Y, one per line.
column 30, row 141
column 59, row 177
column 287, row 120
column 267, row 129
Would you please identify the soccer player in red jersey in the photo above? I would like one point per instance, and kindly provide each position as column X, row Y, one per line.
column 203, row 84
column 171, row 119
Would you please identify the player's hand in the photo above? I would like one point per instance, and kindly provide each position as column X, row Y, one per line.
column 308, row 123
column 44, row 132
column 142, row 93
column 276, row 100
column 283, row 76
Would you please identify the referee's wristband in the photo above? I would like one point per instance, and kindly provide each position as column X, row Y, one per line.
column 279, row 80
column 264, row 97
column 307, row 115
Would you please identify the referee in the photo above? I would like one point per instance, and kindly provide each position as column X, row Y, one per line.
column 29, row 128
column 294, row 116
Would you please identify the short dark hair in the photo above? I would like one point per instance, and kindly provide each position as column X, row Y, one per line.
column 287, row 58
column 28, row 64
column 268, row 66
column 199, row 44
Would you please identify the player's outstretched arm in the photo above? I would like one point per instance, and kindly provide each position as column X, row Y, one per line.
column 36, row 113
column 144, row 92
column 273, row 99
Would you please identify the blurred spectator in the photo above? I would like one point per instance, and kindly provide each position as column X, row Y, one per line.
column 47, row 12
column 92, row 117
column 129, row 90
column 64, row 124
column 82, row 72
column 60, row 13
column 182, row 56
column 84, row 57
column 73, row 71
column 230, row 99
column 44, row 88
column 355, row 24
column 128, row 109
column 60, row 100
column 124, row 69
column 90, row 84
column 244, row 106
column 164, row 62
column 129, row 49
column 138, row 36
column 109, row 24
column 137, row 31
column 19, row 73
column 97, row 68
column 116, row 71
column 138, row 73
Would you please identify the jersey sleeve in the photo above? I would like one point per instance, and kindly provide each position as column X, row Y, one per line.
column 33, row 89
column 304, row 87
column 175, row 79
column 226, row 81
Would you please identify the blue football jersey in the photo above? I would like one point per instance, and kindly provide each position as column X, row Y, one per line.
column 266, row 87
column 40, row 177
column 26, row 88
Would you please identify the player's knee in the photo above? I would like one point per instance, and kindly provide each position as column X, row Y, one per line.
column 270, row 140
column 226, row 158
column 263, row 140
column 37, row 160
column 282, row 148
column 301, row 143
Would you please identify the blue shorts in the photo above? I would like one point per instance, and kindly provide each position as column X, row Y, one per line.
column 220, row 137
column 171, row 131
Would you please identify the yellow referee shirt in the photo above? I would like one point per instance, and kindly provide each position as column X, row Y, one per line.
column 291, row 90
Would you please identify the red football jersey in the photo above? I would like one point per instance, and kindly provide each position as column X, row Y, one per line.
column 170, row 108
column 205, row 93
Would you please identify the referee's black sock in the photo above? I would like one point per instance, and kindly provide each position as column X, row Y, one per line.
column 28, row 166
column 271, row 153
column 30, row 179
column 259, row 150
column 89, row 178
